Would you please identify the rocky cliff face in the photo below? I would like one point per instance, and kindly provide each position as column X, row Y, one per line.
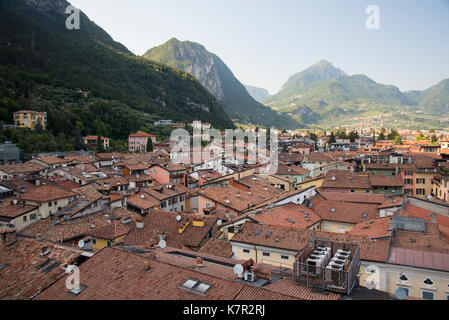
column 36, row 44
column 219, row 80
column 192, row 58
column 48, row 5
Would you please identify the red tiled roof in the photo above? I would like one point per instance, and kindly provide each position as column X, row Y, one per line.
column 298, row 216
column 112, row 230
column 165, row 222
column 347, row 212
column 67, row 230
column 285, row 170
column 216, row 247
column 417, row 212
column 51, row 160
column 22, row 168
column 144, row 204
column 14, row 211
column 386, row 181
column 21, row 279
column 296, row 240
column 161, row 282
column 353, row 197
column 391, row 203
column 345, row 179
column 47, row 193
column 300, row 292
column 140, row 134
column 374, row 229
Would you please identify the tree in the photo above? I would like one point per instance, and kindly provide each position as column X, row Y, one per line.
column 341, row 134
column 434, row 139
column 393, row 134
column 353, row 136
column 100, row 148
column 382, row 135
column 332, row 138
column 398, row 140
column 78, row 142
column 313, row 136
column 38, row 128
column 150, row 145
column 420, row 137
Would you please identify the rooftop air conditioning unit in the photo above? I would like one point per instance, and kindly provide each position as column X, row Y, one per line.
column 342, row 256
column 316, row 262
column 339, row 261
column 344, row 252
column 334, row 266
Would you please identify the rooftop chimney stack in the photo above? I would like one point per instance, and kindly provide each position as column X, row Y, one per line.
column 7, row 237
column 139, row 223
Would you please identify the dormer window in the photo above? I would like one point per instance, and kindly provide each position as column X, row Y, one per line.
column 403, row 278
column 429, row 282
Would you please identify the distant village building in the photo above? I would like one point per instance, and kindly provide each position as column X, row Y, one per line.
column 138, row 142
column 201, row 125
column 29, row 119
column 92, row 141
column 163, row 123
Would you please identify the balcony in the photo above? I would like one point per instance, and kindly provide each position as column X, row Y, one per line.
column 328, row 266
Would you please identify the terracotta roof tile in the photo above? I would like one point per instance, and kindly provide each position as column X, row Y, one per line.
column 21, row 279
column 47, row 193
column 14, row 211
column 287, row 287
column 289, row 215
column 374, row 229
column 132, row 281
column 158, row 222
column 22, row 168
column 347, row 212
column 296, row 240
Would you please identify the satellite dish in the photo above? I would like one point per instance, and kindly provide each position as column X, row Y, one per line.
column 238, row 269
column 179, row 218
column 219, row 222
column 162, row 244
column 401, row 294
column 81, row 244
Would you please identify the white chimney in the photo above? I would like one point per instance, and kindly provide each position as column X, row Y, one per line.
column 140, row 224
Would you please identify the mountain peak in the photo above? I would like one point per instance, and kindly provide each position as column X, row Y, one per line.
column 218, row 79
column 322, row 64
column 173, row 40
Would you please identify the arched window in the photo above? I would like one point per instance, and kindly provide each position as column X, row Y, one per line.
column 403, row 278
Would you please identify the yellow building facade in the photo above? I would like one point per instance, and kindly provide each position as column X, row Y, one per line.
column 29, row 119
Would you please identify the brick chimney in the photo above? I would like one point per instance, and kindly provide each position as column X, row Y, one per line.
column 7, row 237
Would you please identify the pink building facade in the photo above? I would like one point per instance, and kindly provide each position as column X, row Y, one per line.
column 138, row 142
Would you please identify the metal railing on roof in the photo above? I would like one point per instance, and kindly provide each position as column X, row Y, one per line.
column 323, row 276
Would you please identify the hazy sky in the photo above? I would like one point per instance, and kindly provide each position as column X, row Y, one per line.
column 264, row 42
